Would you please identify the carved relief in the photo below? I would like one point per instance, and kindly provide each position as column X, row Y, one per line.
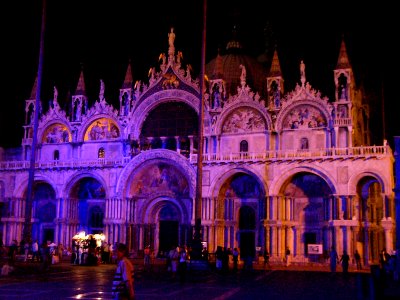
column 304, row 117
column 244, row 120
column 170, row 81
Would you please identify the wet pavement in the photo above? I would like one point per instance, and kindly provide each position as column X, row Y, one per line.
column 65, row 281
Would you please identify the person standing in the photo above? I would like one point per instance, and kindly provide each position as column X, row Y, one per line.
column 106, row 253
column 333, row 256
column 266, row 260
column 123, row 282
column 174, row 256
column 35, row 251
column 182, row 264
column 345, row 262
column 357, row 258
column 287, row 255
column 26, row 251
column 12, row 252
column 235, row 258
column 147, row 253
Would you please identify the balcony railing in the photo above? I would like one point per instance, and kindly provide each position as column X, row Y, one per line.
column 271, row 155
column 327, row 153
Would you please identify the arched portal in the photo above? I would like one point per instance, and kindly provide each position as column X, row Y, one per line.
column 371, row 204
column 305, row 201
column 44, row 212
column 160, row 191
column 241, row 206
column 168, row 234
column 88, row 195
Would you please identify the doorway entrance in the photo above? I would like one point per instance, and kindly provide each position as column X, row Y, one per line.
column 168, row 235
column 48, row 234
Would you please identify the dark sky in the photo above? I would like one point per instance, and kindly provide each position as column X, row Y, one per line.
column 104, row 35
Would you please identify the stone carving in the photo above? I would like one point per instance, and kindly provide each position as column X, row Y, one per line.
column 170, row 81
column 244, row 120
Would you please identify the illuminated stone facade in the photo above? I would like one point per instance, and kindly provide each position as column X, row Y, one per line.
column 286, row 171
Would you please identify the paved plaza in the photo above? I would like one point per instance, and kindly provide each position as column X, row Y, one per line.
column 65, row 281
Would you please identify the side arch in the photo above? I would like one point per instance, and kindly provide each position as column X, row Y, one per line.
column 278, row 182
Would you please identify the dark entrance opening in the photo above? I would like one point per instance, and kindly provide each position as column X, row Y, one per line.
column 247, row 225
column 48, row 234
column 168, row 236
column 247, row 245
column 309, row 238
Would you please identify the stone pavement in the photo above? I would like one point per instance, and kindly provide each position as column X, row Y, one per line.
column 65, row 281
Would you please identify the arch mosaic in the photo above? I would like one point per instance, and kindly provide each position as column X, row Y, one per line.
column 102, row 129
column 243, row 118
column 56, row 133
column 303, row 115
column 161, row 155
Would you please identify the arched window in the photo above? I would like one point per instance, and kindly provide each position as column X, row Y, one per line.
column 101, row 153
column 244, row 146
column 56, row 155
column 304, row 143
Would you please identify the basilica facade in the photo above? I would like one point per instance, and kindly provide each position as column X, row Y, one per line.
column 279, row 169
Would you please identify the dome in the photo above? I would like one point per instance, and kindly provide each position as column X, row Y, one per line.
column 227, row 67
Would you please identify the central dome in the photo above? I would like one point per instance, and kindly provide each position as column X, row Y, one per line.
column 227, row 67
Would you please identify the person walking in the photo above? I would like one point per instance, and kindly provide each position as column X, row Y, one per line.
column 333, row 256
column 345, row 262
column 123, row 282
column 357, row 258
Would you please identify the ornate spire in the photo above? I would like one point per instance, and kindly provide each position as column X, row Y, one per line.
column 275, row 66
column 128, row 81
column 80, row 89
column 101, row 93
column 55, row 95
column 34, row 89
column 343, row 60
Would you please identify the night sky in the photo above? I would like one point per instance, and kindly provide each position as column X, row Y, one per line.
column 103, row 35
